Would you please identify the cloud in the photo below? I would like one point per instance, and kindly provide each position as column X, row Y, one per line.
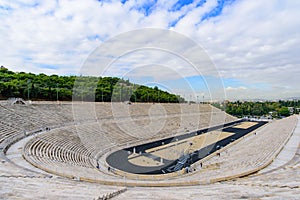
column 253, row 38
column 256, row 42
column 235, row 88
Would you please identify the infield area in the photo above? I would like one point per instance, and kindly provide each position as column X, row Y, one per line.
column 175, row 153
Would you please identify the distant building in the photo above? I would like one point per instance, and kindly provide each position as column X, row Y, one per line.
column 291, row 109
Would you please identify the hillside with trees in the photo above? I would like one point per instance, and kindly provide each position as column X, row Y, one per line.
column 65, row 88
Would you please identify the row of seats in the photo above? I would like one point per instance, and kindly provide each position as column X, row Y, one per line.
column 65, row 152
column 60, row 145
column 39, row 115
column 81, row 132
column 7, row 132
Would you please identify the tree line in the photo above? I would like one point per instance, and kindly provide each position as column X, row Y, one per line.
column 84, row 88
column 273, row 108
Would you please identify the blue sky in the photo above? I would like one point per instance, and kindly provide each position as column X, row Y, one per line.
column 254, row 45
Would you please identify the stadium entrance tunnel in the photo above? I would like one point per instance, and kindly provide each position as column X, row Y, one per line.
column 176, row 153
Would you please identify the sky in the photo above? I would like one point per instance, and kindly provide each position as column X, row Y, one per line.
column 248, row 49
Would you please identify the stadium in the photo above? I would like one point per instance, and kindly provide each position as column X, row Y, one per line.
column 136, row 99
column 84, row 150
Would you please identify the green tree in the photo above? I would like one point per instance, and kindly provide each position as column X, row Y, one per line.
column 284, row 111
column 44, row 87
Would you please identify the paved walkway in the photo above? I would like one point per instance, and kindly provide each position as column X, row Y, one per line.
column 14, row 154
